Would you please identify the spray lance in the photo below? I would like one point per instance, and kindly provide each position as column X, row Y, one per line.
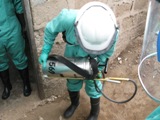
column 82, row 69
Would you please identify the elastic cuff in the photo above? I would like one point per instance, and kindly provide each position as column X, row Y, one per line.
column 46, row 48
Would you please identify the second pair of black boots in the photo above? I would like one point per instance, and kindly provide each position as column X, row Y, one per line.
column 6, row 82
column 8, row 87
column 74, row 97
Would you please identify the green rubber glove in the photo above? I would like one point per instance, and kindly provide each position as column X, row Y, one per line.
column 43, row 60
column 44, row 55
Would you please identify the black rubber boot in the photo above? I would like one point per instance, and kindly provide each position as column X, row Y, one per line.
column 74, row 97
column 95, row 108
column 6, row 82
column 26, row 83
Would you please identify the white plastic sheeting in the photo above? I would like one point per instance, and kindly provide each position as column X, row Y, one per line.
column 149, row 67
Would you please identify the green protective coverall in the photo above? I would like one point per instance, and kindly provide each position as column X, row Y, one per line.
column 11, row 39
column 65, row 22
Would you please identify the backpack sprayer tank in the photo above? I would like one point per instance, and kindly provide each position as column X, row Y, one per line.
column 56, row 68
column 79, row 68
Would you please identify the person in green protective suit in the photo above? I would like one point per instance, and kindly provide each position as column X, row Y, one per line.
column 89, row 32
column 12, row 43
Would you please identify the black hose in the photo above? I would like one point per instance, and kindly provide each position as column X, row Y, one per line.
column 119, row 102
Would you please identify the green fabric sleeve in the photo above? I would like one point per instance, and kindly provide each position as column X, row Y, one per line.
column 54, row 27
column 18, row 6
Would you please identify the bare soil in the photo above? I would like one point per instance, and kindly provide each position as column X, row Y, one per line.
column 18, row 107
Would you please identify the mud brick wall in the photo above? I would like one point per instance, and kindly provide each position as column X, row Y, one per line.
column 130, row 14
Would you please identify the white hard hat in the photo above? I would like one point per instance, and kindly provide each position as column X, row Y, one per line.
column 96, row 27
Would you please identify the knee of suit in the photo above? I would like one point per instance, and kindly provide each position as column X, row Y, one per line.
column 91, row 89
column 4, row 61
column 21, row 63
column 74, row 85
column 3, row 66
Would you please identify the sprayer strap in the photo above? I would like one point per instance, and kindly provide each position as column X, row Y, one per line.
column 77, row 69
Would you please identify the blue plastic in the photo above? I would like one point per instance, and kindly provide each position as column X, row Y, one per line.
column 158, row 47
column 155, row 115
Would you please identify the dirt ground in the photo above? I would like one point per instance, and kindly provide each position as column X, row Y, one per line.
column 18, row 107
